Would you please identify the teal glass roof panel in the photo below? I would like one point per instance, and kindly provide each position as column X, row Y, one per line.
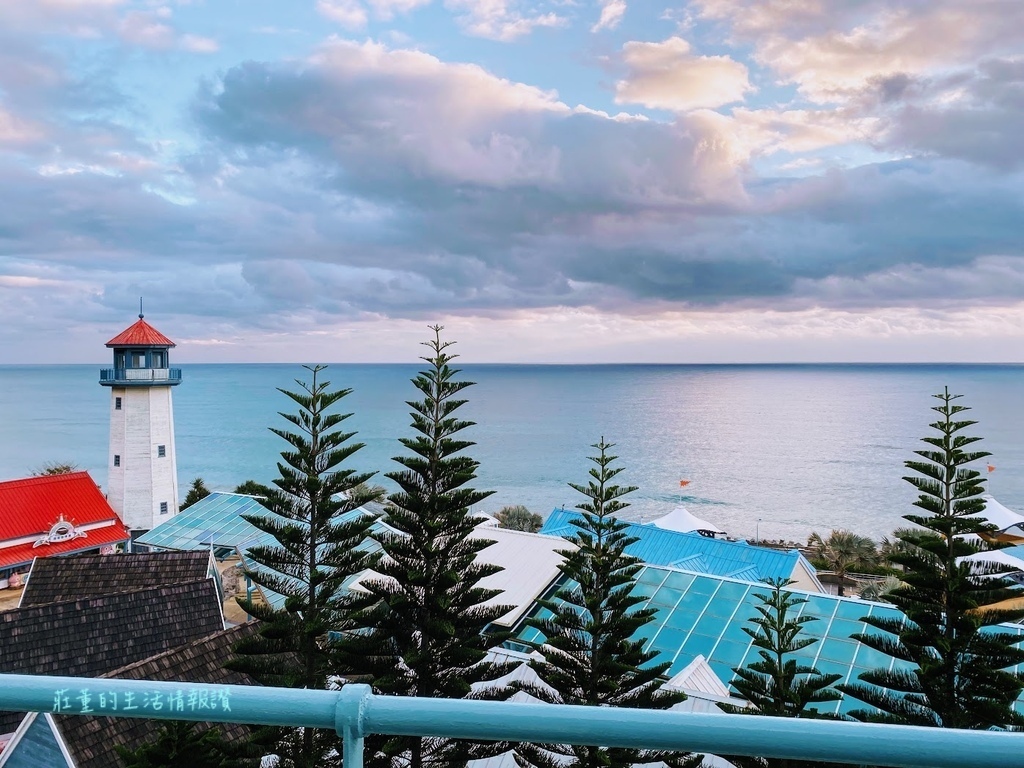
column 691, row 551
column 212, row 521
column 678, row 579
column 709, row 619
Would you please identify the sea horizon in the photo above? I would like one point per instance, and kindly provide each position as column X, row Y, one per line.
column 772, row 450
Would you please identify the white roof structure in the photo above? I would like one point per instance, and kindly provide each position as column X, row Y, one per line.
column 698, row 677
column 682, row 521
column 700, row 683
column 530, row 561
column 1001, row 517
column 996, row 557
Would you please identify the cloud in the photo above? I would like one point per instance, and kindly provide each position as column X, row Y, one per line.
column 148, row 29
column 938, row 78
column 500, row 195
column 666, row 75
column 368, row 184
column 976, row 116
column 350, row 14
column 386, row 9
column 16, row 130
column 612, row 12
column 500, row 19
column 199, row 44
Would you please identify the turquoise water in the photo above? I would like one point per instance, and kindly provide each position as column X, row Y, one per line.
column 805, row 447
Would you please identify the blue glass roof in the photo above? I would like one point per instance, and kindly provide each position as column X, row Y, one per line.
column 693, row 552
column 699, row 614
column 216, row 519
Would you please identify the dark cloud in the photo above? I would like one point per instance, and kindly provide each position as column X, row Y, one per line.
column 976, row 116
column 370, row 181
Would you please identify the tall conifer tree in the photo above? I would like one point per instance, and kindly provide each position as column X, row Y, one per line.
column 592, row 647
column 778, row 685
column 950, row 633
column 424, row 620
column 315, row 551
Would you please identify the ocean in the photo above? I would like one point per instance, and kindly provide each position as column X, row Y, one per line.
column 775, row 451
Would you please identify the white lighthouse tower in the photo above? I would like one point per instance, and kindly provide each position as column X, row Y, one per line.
column 142, row 479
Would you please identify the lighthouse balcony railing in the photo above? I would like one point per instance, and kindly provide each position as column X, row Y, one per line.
column 355, row 712
column 139, row 375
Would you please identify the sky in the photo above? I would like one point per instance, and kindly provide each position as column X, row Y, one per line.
column 551, row 180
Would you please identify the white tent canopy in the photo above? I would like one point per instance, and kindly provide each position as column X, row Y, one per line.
column 996, row 557
column 1001, row 517
column 680, row 520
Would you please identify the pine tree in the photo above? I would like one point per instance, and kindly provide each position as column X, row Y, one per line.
column 252, row 488
column 424, row 620
column 180, row 744
column 316, row 550
column 778, row 685
column 950, row 634
column 196, row 492
column 593, row 653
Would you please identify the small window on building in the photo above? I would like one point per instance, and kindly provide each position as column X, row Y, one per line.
column 117, row 403
column 117, row 460
column 163, row 507
column 161, row 451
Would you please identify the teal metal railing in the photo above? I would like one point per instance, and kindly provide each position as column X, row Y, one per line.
column 355, row 712
column 139, row 376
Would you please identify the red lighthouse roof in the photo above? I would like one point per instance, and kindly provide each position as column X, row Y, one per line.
column 140, row 334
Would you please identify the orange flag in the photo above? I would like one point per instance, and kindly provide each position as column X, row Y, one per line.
column 683, row 483
column 991, row 468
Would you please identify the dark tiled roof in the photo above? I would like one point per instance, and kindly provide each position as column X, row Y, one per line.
column 87, row 638
column 54, row 580
column 91, row 740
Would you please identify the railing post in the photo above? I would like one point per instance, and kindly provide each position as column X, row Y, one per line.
column 349, row 722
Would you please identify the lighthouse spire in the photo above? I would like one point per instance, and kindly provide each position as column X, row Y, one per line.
column 140, row 308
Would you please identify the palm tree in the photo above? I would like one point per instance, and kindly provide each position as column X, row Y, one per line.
column 879, row 589
column 843, row 551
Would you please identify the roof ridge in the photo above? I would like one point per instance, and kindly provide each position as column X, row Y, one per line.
column 13, row 611
column 43, row 479
column 178, row 649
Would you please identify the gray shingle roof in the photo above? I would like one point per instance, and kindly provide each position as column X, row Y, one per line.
column 55, row 580
column 92, row 636
column 91, row 740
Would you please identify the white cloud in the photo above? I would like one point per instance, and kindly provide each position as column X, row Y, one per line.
column 147, row 29
column 500, row 19
column 386, row 9
column 350, row 14
column 667, row 75
column 612, row 12
column 765, row 131
column 198, row 44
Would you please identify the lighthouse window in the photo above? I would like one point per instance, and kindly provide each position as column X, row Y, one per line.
column 161, row 451
column 163, row 507
column 117, row 460
column 117, row 403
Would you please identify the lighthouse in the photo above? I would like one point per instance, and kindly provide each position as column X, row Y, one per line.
column 142, row 479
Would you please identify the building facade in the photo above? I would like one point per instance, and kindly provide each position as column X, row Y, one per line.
column 142, row 479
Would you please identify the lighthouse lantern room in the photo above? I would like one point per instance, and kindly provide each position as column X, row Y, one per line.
column 142, row 480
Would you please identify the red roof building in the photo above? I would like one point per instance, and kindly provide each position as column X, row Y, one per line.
column 140, row 334
column 54, row 515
